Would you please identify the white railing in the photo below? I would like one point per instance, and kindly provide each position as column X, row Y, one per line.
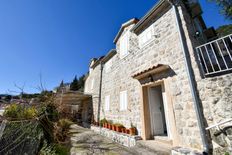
column 218, row 124
column 216, row 56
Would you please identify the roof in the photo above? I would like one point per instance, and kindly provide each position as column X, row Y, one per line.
column 109, row 55
column 152, row 70
column 154, row 11
column 124, row 25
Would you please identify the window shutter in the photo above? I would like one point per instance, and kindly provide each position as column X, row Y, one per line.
column 107, row 103
column 124, row 44
column 123, row 100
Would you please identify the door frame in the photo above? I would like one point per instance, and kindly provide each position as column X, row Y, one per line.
column 145, row 111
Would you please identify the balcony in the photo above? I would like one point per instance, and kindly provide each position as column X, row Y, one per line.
column 216, row 56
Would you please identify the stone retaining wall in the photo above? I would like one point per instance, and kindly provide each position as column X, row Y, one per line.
column 121, row 138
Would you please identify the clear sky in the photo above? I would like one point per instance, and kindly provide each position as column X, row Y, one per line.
column 57, row 38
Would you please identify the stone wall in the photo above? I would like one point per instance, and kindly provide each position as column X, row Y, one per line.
column 94, row 75
column 165, row 49
column 121, row 138
column 214, row 93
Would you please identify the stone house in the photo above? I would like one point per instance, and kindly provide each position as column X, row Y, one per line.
column 162, row 79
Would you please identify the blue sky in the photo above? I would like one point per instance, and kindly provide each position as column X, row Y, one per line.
column 57, row 38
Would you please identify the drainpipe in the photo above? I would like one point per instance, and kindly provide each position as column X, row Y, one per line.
column 100, row 92
column 190, row 75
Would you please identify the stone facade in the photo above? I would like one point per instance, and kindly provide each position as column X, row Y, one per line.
column 123, row 139
column 163, row 48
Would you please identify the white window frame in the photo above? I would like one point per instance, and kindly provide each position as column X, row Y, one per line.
column 124, row 45
column 108, row 66
column 92, row 84
column 107, row 103
column 146, row 36
column 123, row 100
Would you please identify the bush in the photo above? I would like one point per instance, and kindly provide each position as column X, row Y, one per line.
column 20, row 112
column 61, row 129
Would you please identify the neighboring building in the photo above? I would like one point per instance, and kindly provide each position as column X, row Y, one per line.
column 163, row 82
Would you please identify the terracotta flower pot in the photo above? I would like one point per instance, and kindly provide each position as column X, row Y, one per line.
column 113, row 127
column 127, row 131
column 110, row 126
column 132, row 131
column 118, row 128
column 123, row 130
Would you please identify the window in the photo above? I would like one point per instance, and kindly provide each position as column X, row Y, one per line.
column 107, row 103
column 92, row 83
column 108, row 66
column 123, row 100
column 124, row 45
column 145, row 36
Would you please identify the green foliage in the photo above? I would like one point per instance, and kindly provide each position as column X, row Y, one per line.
column 64, row 123
column 53, row 149
column 227, row 153
column 20, row 112
column 61, row 129
column 78, row 84
column 224, row 30
column 225, row 7
column 47, row 149
column 118, row 125
column 61, row 150
column 102, row 121
column 75, row 84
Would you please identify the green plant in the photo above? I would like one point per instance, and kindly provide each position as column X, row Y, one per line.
column 118, row 125
column 61, row 129
column 47, row 149
column 227, row 153
column 102, row 121
column 20, row 112
column 64, row 123
column 61, row 150
column 29, row 113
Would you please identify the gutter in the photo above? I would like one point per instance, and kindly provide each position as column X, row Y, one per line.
column 196, row 100
column 100, row 93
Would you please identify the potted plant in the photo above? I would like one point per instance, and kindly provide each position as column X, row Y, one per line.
column 127, row 131
column 123, row 130
column 109, row 125
column 119, row 127
column 103, row 122
column 132, row 129
column 113, row 127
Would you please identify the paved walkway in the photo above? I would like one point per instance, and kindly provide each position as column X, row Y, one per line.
column 86, row 142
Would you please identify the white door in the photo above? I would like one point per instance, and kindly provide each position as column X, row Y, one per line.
column 155, row 106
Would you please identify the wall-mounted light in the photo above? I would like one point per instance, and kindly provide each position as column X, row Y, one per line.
column 150, row 77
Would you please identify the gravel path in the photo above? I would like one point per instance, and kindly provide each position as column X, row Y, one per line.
column 86, row 142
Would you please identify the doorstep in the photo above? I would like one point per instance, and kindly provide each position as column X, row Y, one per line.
column 121, row 138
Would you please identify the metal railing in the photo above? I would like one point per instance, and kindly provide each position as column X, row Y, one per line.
column 218, row 124
column 216, row 56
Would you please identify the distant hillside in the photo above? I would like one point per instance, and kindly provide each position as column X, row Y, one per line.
column 224, row 30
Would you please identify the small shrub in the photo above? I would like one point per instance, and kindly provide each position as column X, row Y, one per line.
column 47, row 149
column 61, row 129
column 30, row 113
column 61, row 150
column 102, row 121
column 20, row 112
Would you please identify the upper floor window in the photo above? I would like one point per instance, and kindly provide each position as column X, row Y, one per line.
column 123, row 100
column 107, row 103
column 92, row 83
column 108, row 66
column 124, row 45
column 145, row 36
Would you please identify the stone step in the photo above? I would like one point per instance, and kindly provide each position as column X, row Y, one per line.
column 163, row 139
column 156, row 146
